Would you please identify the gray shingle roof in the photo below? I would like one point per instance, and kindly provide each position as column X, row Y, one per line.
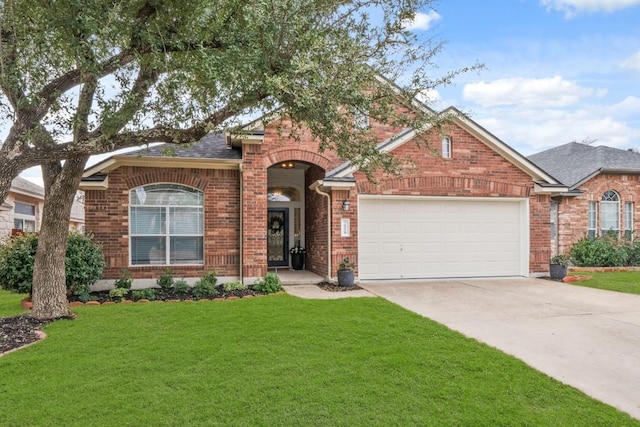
column 211, row 146
column 24, row 186
column 572, row 163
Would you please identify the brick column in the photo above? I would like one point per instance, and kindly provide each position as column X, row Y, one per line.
column 254, row 214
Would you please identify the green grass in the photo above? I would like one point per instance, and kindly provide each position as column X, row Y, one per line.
column 276, row 361
column 619, row 281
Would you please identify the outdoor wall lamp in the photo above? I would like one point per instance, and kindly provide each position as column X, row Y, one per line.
column 346, row 205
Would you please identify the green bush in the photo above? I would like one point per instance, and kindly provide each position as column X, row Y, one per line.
column 119, row 293
column 165, row 281
column 125, row 280
column 204, row 289
column 234, row 286
column 16, row 263
column 270, row 283
column 146, row 293
column 181, row 287
column 605, row 251
column 84, row 263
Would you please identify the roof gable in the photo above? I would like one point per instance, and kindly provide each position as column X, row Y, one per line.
column 464, row 122
column 575, row 163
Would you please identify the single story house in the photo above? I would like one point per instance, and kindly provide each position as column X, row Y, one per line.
column 21, row 211
column 603, row 187
column 472, row 207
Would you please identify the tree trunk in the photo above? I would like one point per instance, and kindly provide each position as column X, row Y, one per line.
column 49, row 292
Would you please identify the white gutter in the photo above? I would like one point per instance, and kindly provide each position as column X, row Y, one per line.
column 317, row 186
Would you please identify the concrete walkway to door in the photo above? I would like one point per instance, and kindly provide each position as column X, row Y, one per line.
column 587, row 338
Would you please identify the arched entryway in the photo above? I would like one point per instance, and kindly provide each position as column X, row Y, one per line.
column 293, row 214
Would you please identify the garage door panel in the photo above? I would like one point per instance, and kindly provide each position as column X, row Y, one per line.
column 422, row 238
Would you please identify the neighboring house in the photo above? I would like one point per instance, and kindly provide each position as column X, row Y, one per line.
column 238, row 202
column 21, row 211
column 604, row 186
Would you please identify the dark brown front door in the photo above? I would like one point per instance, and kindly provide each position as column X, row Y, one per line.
column 277, row 237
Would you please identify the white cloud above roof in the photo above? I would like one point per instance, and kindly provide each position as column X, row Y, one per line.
column 544, row 92
column 422, row 21
column 632, row 62
column 573, row 7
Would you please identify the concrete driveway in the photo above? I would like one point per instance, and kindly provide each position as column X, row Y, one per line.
column 587, row 338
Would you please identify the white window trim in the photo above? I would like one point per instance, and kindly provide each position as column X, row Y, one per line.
column 446, row 147
column 592, row 226
column 24, row 217
column 166, row 234
column 628, row 220
column 604, row 203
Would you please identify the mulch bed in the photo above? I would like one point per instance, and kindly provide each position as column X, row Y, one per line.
column 334, row 287
column 167, row 295
column 18, row 331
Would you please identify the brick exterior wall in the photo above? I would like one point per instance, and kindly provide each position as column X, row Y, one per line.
column 474, row 170
column 316, row 224
column 573, row 211
column 107, row 218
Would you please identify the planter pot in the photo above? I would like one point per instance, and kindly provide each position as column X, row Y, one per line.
column 557, row 271
column 297, row 261
column 26, row 303
column 346, row 277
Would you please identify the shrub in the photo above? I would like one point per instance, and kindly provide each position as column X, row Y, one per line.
column 234, row 286
column 84, row 263
column 181, row 287
column 119, row 293
column 125, row 280
column 270, row 283
column 16, row 263
column 606, row 251
column 210, row 277
column 146, row 293
column 165, row 281
column 204, row 289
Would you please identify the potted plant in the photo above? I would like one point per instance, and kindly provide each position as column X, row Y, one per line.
column 297, row 257
column 346, row 275
column 558, row 266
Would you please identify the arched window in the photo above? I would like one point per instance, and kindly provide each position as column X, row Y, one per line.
column 610, row 213
column 166, row 225
column 446, row 147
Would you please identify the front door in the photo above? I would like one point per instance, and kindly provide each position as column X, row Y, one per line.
column 278, row 237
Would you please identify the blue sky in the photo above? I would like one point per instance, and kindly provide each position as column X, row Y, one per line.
column 556, row 70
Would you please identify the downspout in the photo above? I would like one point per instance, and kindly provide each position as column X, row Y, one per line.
column 241, row 247
column 328, row 196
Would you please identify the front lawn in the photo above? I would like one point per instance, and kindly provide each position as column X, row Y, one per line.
column 619, row 281
column 276, row 360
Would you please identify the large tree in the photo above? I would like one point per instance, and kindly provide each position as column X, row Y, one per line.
column 85, row 77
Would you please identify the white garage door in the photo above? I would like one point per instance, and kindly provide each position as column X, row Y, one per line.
column 414, row 238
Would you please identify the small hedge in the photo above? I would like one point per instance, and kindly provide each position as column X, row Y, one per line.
column 84, row 263
column 605, row 251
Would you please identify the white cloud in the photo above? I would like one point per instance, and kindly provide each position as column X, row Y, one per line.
column 541, row 93
column 532, row 130
column 573, row 7
column 422, row 21
column 632, row 62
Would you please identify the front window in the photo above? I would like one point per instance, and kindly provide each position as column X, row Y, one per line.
column 24, row 216
column 628, row 220
column 166, row 225
column 610, row 213
column 593, row 220
column 361, row 120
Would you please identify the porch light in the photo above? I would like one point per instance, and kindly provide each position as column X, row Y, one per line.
column 346, row 205
column 287, row 165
